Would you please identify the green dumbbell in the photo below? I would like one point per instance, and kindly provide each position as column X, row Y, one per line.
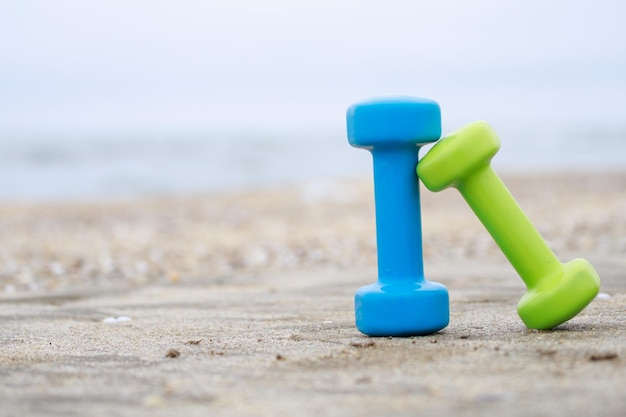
column 556, row 291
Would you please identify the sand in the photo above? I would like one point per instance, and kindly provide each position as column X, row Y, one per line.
column 241, row 304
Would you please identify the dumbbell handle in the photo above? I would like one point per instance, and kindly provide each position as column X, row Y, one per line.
column 398, row 220
column 516, row 236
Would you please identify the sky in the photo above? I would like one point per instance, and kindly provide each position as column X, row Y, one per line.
column 185, row 66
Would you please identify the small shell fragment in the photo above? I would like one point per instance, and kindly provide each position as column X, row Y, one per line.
column 115, row 320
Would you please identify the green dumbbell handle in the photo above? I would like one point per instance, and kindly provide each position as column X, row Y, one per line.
column 516, row 236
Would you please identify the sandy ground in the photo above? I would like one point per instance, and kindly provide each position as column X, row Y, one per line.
column 241, row 304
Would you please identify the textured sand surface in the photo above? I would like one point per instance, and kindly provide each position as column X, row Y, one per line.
column 241, row 304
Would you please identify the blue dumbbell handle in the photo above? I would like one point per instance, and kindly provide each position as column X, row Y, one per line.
column 398, row 219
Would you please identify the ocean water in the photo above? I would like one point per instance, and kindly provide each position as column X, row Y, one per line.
column 76, row 166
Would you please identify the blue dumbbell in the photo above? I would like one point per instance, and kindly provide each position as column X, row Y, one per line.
column 402, row 302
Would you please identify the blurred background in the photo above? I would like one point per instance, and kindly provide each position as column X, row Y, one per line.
column 112, row 98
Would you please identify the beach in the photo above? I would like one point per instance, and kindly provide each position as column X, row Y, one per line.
column 241, row 303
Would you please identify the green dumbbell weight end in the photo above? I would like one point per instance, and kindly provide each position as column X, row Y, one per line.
column 556, row 291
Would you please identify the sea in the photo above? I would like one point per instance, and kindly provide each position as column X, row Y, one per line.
column 100, row 166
